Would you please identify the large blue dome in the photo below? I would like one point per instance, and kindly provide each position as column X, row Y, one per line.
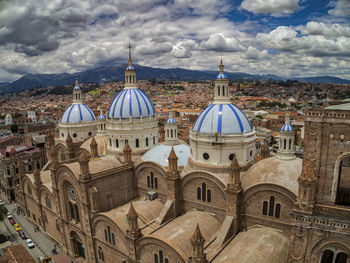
column 76, row 113
column 131, row 103
column 223, row 119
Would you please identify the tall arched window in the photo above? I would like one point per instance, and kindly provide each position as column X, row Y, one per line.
column 290, row 144
column 278, row 211
column 272, row 205
column 218, row 91
column 110, row 142
column 146, row 141
column 199, row 195
column 265, row 204
column 159, row 257
column 72, row 202
column 223, row 91
column 327, row 256
column 341, row 258
column 152, row 181
column 208, row 195
column 171, row 131
column 154, row 140
column 285, row 144
column 167, row 133
column 343, row 189
column 148, row 181
column 116, row 143
column 204, row 191
column 100, row 254
column 137, row 143
column 156, row 182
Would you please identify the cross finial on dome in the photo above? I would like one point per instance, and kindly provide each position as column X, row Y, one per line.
column 76, row 83
column 130, row 60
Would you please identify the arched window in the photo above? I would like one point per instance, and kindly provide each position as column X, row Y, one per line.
column 156, row 182
column 137, row 143
column 209, row 195
column 171, row 131
column 290, row 144
column 341, row 258
column 156, row 258
column 343, row 189
column 76, row 212
column 106, row 235
column 285, row 144
column 204, row 191
column 278, row 211
column 265, row 204
column 47, row 201
column 160, row 256
column 113, row 240
column 167, row 133
column 223, row 91
column 327, row 256
column 199, row 195
column 154, row 140
column 272, row 205
column 148, row 181
column 146, row 141
column 218, row 91
column 152, row 180
column 110, row 142
column 116, row 143
column 100, row 254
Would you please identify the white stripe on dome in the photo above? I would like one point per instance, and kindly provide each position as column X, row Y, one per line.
column 131, row 103
column 171, row 121
column 76, row 113
column 222, row 119
column 287, row 128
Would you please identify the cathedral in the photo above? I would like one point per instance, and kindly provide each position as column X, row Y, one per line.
column 116, row 188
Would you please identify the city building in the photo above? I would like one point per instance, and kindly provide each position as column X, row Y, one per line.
column 128, row 192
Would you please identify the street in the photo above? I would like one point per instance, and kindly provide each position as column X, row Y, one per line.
column 43, row 245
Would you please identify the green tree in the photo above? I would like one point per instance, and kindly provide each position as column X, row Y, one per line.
column 3, row 212
column 14, row 128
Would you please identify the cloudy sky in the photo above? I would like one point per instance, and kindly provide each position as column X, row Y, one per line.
column 291, row 38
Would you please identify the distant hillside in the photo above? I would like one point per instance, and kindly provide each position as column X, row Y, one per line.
column 3, row 84
column 324, row 79
column 116, row 73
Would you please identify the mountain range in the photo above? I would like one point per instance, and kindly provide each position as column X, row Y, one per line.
column 116, row 73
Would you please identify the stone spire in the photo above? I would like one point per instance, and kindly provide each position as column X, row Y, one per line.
column 130, row 73
column 265, row 151
column 53, row 158
column 49, row 143
column 127, row 152
column 307, row 188
column 221, row 94
column 70, row 147
column 84, row 160
column 132, row 216
column 172, row 160
column 234, row 176
column 37, row 179
column 93, row 148
column 197, row 242
column 129, row 60
column 161, row 133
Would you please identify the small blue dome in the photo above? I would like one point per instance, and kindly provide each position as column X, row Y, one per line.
column 287, row 128
column 221, row 76
column 102, row 117
column 76, row 88
column 130, row 68
column 76, row 113
column 222, row 119
column 171, row 121
column 131, row 103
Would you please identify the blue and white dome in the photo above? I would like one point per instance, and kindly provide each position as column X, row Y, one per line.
column 76, row 113
column 131, row 103
column 171, row 121
column 76, row 88
column 102, row 117
column 224, row 119
column 130, row 67
column 287, row 128
column 221, row 76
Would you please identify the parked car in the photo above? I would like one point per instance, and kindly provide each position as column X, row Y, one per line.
column 22, row 234
column 9, row 215
column 12, row 221
column 30, row 243
column 17, row 227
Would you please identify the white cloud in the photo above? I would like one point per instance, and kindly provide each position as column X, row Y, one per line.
column 273, row 7
column 220, row 43
column 340, row 8
column 330, row 30
column 253, row 53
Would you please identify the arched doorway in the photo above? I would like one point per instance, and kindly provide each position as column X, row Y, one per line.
column 77, row 245
column 343, row 187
